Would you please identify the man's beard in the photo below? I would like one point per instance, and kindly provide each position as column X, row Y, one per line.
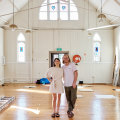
column 66, row 62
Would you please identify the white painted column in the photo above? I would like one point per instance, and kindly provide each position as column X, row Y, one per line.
column 2, row 58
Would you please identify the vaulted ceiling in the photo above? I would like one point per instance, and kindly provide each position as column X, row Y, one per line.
column 111, row 8
column 6, row 7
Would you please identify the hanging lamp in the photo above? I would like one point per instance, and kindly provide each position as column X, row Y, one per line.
column 13, row 26
column 101, row 16
column 28, row 30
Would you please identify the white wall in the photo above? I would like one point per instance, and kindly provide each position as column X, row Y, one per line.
column 39, row 43
column 16, row 72
column 1, row 56
column 117, row 54
column 117, row 43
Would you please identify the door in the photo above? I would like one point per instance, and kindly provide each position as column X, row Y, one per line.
column 56, row 54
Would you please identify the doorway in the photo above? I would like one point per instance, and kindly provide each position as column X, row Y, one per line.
column 56, row 54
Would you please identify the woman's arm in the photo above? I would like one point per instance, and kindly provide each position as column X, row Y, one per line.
column 49, row 78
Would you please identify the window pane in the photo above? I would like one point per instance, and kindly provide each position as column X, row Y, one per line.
column 73, row 16
column 55, row 56
column 61, row 60
column 43, row 16
column 64, row 15
column 43, row 8
column 63, row 7
column 53, row 15
column 21, row 52
column 52, row 1
column 21, row 37
column 73, row 7
column 96, row 51
column 53, row 7
column 45, row 2
column 96, row 37
column 97, row 59
column 49, row 10
column 71, row 2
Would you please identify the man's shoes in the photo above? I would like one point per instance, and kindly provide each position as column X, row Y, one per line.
column 70, row 114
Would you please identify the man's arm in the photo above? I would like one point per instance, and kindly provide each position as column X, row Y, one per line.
column 75, row 78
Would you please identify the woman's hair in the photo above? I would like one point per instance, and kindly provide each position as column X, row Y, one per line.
column 55, row 60
column 68, row 58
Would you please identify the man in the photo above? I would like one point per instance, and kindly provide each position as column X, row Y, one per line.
column 70, row 79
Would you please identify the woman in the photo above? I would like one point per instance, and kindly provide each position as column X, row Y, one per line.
column 55, row 75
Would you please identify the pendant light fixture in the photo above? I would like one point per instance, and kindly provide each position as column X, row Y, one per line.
column 28, row 29
column 13, row 26
column 89, row 33
column 101, row 16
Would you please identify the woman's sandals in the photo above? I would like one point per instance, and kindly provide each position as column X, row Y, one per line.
column 70, row 114
column 55, row 115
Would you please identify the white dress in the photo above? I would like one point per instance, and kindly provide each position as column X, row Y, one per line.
column 56, row 85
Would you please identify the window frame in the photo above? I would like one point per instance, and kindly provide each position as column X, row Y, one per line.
column 59, row 11
column 18, row 42
column 99, row 49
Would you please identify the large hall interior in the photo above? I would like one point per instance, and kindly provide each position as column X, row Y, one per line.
column 35, row 32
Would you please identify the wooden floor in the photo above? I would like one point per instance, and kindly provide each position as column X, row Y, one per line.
column 35, row 104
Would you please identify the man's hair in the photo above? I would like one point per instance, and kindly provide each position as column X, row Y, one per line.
column 68, row 58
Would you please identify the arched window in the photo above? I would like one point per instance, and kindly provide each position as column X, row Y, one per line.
column 21, row 48
column 58, row 10
column 96, row 47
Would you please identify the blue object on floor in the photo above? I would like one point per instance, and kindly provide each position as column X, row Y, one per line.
column 44, row 81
